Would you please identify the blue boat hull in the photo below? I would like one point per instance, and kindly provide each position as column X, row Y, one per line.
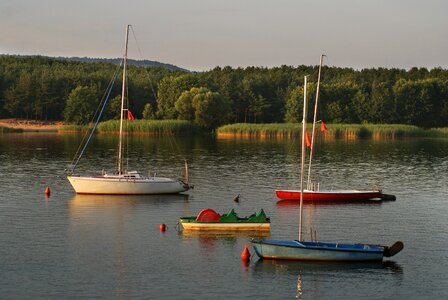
column 317, row 251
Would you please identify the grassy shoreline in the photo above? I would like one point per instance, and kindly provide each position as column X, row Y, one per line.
column 335, row 131
column 144, row 127
column 242, row 130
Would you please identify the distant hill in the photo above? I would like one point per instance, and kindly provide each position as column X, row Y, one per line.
column 138, row 63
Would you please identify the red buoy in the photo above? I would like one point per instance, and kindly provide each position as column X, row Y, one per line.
column 47, row 191
column 162, row 227
column 246, row 254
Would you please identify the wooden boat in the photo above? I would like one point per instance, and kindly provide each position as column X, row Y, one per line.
column 314, row 250
column 123, row 182
column 313, row 192
column 209, row 220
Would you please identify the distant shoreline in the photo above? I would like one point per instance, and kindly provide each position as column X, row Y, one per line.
column 31, row 125
column 231, row 131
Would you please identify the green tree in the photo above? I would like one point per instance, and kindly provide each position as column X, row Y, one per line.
column 260, row 98
column 170, row 88
column 362, row 106
column 203, row 107
column 12, row 102
column 337, row 102
column 148, row 112
column 294, row 106
column 81, row 105
column 421, row 102
column 211, row 109
column 113, row 108
column 19, row 98
column 184, row 104
column 382, row 108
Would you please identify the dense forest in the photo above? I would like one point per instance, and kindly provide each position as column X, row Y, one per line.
column 43, row 88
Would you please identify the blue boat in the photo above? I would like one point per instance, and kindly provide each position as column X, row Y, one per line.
column 319, row 251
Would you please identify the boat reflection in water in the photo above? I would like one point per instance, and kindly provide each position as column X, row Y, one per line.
column 219, row 234
column 313, row 276
column 109, row 210
column 209, row 242
column 293, row 267
column 208, row 239
column 86, row 200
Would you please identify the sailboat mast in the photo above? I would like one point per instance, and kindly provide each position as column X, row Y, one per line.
column 314, row 122
column 302, row 166
column 123, row 94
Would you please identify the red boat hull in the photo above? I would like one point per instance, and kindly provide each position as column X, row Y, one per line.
column 329, row 195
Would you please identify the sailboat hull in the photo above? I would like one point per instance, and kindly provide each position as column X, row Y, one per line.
column 352, row 195
column 317, row 251
column 122, row 186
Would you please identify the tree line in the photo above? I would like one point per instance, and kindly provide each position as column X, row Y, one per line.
column 43, row 88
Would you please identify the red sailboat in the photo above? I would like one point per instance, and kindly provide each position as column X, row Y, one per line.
column 313, row 192
column 333, row 195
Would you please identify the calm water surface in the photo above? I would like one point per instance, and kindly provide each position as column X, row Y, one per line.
column 74, row 246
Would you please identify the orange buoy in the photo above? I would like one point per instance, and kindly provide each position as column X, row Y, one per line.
column 47, row 191
column 246, row 254
column 162, row 227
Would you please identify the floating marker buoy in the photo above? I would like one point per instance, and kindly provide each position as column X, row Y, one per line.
column 47, row 191
column 246, row 254
column 162, row 227
column 237, row 198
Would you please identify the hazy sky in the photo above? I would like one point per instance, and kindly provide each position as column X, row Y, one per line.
column 202, row 34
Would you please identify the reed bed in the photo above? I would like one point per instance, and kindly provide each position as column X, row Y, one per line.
column 74, row 128
column 375, row 131
column 9, row 130
column 339, row 131
column 151, row 127
column 439, row 132
column 280, row 130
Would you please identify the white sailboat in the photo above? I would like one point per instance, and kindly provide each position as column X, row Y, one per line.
column 125, row 182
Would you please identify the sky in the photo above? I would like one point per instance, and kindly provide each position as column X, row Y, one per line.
column 200, row 35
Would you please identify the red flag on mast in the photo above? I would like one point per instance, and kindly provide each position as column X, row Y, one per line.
column 130, row 116
column 322, row 126
column 308, row 141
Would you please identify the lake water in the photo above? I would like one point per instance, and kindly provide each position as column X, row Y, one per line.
column 79, row 246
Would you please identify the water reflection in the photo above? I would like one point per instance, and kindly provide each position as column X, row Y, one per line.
column 109, row 210
column 110, row 246
column 313, row 279
column 294, row 267
column 80, row 200
column 299, row 292
column 224, row 235
column 208, row 240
